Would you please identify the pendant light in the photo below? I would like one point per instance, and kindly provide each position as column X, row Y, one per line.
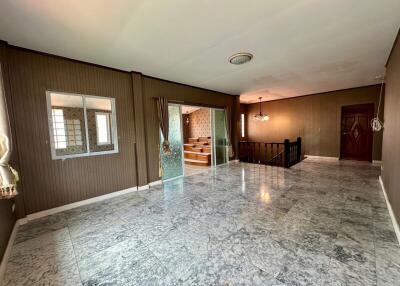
column 376, row 123
column 187, row 118
column 260, row 116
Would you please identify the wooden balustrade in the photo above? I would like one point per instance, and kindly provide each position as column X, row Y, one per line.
column 283, row 154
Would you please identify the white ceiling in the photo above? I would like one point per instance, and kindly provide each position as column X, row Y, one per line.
column 299, row 46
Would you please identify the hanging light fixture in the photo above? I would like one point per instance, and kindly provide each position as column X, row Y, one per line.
column 260, row 116
column 187, row 118
column 376, row 123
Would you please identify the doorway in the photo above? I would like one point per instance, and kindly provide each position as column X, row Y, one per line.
column 356, row 132
column 197, row 137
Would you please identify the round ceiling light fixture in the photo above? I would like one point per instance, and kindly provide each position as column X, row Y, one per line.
column 240, row 58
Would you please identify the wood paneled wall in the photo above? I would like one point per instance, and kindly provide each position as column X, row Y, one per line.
column 316, row 118
column 51, row 183
column 391, row 132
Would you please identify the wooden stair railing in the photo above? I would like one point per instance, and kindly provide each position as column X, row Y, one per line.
column 276, row 160
column 283, row 154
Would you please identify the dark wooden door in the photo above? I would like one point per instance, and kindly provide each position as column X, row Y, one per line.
column 356, row 132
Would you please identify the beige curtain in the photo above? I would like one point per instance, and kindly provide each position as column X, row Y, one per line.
column 8, row 176
column 228, row 125
column 163, row 118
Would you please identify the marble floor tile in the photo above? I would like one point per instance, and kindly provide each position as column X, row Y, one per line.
column 47, row 259
column 178, row 250
column 127, row 263
column 152, row 228
column 387, row 264
column 91, row 237
column 341, row 274
column 317, row 223
column 306, row 268
column 225, row 263
column 41, row 226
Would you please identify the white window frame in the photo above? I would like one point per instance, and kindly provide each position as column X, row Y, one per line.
column 109, row 126
column 113, row 118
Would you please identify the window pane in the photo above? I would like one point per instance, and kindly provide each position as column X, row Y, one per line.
column 68, row 117
column 76, row 120
column 59, row 129
column 100, row 124
column 102, row 129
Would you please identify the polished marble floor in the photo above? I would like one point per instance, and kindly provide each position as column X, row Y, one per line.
column 318, row 223
column 193, row 170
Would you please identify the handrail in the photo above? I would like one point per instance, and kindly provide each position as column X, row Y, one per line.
column 262, row 142
column 284, row 154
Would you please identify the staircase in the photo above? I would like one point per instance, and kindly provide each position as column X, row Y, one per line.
column 198, row 151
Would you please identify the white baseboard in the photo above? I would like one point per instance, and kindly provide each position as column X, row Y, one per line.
column 155, row 183
column 22, row 221
column 145, row 187
column 391, row 213
column 85, row 202
column 7, row 253
column 78, row 204
column 322, row 157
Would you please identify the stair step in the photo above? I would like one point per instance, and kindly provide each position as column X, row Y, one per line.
column 196, row 162
column 198, row 153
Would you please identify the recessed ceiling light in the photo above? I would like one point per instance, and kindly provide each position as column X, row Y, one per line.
column 240, row 58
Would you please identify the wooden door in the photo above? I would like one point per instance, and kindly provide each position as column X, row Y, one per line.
column 356, row 132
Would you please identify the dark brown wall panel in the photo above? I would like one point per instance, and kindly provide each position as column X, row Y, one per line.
column 174, row 92
column 7, row 221
column 315, row 118
column 51, row 183
column 141, row 146
column 391, row 133
column 236, row 112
